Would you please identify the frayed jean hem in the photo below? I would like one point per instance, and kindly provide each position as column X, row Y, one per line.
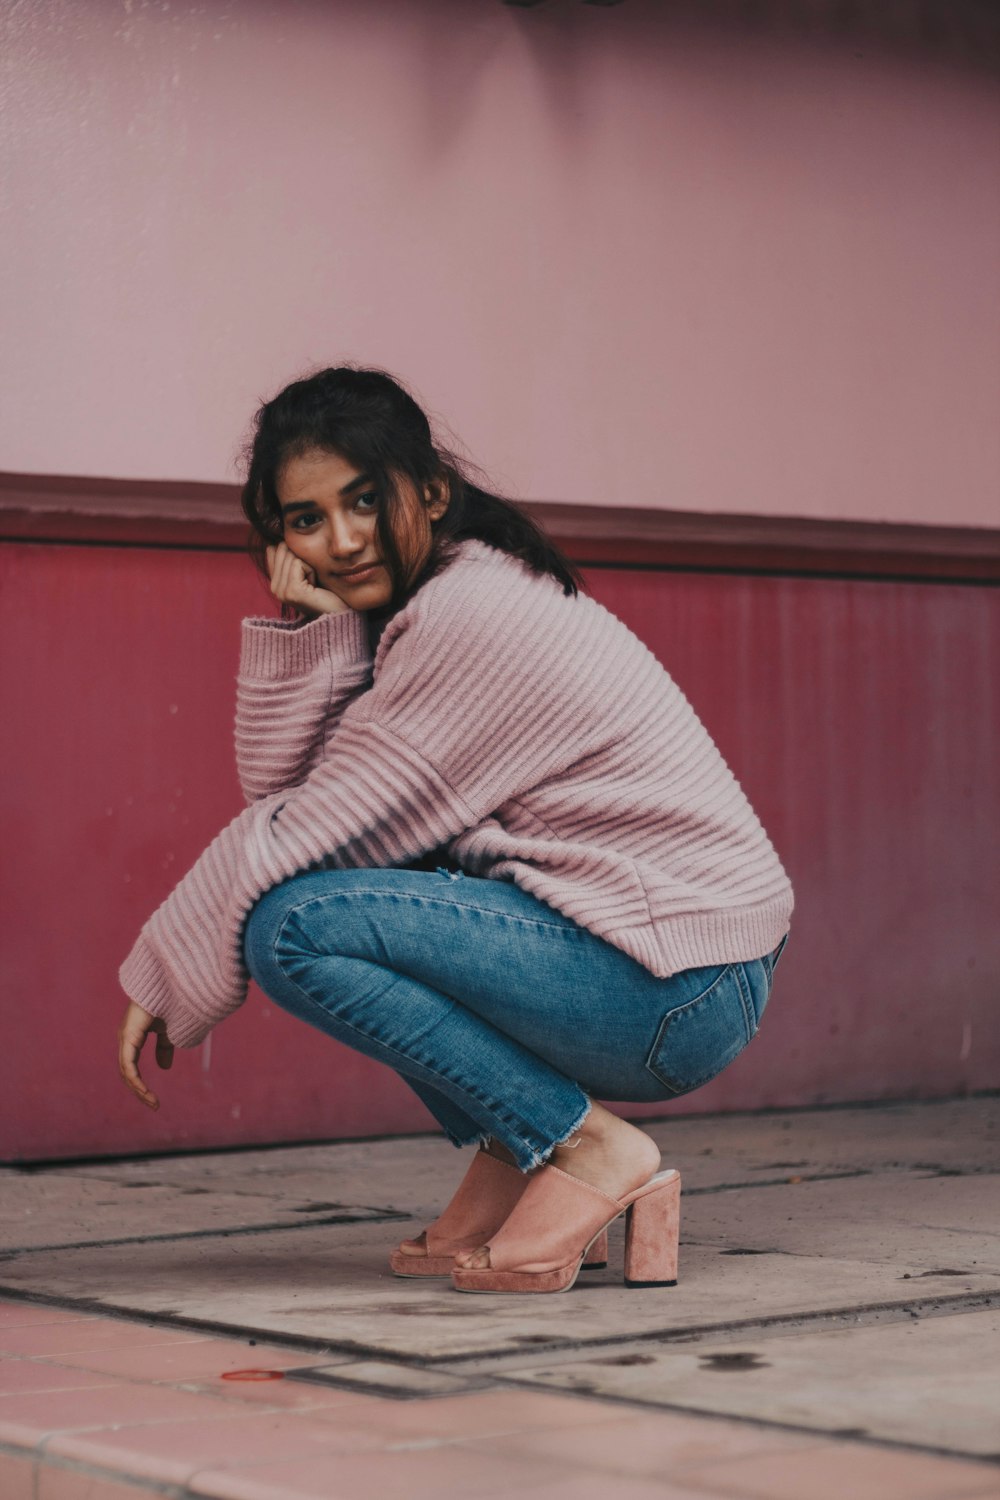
column 539, row 1157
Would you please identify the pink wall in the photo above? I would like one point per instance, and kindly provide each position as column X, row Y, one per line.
column 853, row 712
column 713, row 256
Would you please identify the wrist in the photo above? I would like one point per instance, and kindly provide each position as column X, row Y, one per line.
column 330, row 604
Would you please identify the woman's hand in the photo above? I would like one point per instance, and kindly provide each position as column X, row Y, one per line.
column 132, row 1033
column 293, row 583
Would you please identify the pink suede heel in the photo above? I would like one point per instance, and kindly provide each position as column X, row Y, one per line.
column 486, row 1196
column 543, row 1242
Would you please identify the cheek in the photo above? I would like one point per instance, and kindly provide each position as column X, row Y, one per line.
column 299, row 544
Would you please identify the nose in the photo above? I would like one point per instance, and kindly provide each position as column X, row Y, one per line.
column 345, row 539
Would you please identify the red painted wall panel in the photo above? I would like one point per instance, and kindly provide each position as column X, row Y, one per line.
column 861, row 717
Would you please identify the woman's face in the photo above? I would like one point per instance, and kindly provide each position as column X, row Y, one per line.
column 329, row 509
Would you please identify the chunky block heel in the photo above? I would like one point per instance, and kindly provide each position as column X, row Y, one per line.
column 652, row 1236
column 596, row 1258
column 559, row 1221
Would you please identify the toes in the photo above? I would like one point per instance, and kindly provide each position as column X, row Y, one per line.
column 414, row 1247
column 474, row 1260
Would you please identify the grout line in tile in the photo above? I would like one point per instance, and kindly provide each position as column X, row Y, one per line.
column 380, row 1216
column 827, row 1435
column 143, row 1483
column 858, row 1314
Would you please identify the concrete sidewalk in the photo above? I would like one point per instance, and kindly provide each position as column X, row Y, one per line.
column 835, row 1332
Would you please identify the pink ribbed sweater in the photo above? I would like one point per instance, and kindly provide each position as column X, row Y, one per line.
column 531, row 733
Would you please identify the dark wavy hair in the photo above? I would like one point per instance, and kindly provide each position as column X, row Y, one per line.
column 370, row 419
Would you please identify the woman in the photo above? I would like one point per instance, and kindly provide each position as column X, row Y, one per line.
column 488, row 843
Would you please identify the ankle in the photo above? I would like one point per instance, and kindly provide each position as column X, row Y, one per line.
column 599, row 1129
column 608, row 1152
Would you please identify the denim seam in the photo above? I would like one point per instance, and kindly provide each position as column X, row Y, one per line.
column 492, row 1106
column 436, row 1073
column 573, row 931
column 746, row 1000
column 678, row 1014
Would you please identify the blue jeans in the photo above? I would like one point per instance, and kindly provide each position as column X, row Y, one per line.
column 501, row 1014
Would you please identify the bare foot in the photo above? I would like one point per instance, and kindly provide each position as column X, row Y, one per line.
column 607, row 1152
column 418, row 1246
column 414, row 1247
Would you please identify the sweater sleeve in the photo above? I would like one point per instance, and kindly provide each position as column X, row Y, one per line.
column 295, row 680
column 456, row 720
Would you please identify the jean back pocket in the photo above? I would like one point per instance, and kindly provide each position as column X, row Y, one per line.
column 698, row 1039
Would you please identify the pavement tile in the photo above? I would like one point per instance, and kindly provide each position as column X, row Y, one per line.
column 170, row 1452
column 648, row 1446
column 90, row 1334
column 189, row 1359
column 916, row 1218
column 595, row 1487
column 393, row 1379
column 335, row 1288
column 420, row 1472
column 17, row 1477
column 69, row 1206
column 24, row 1419
column 27, row 1314
column 933, row 1380
column 828, row 1472
column 286, row 1395
column 487, row 1414
column 19, row 1376
column 907, row 1222
column 55, row 1483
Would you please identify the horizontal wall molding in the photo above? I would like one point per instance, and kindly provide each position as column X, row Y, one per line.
column 166, row 513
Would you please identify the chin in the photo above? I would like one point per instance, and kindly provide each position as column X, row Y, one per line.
column 374, row 595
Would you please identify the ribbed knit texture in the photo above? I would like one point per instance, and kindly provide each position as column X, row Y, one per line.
column 531, row 733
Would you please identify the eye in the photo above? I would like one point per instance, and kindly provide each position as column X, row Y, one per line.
column 303, row 521
column 367, row 502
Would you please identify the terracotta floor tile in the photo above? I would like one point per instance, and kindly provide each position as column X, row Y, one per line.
column 56, row 1339
column 67, row 1484
column 28, row 1314
column 491, row 1413
column 190, row 1359
column 828, row 1472
column 170, row 1452
column 16, row 1477
column 437, row 1473
column 117, row 1405
column 648, row 1446
column 18, row 1377
column 581, row 1486
column 287, row 1395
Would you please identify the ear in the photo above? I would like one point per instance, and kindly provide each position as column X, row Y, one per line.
column 437, row 495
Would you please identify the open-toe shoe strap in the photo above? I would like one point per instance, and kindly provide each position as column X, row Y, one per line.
column 554, row 1221
column 485, row 1196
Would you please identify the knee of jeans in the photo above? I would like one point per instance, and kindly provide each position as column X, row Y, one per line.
column 261, row 930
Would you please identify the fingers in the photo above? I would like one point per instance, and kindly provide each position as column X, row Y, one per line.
column 295, row 582
column 128, row 1066
column 132, row 1034
column 164, row 1046
column 289, row 575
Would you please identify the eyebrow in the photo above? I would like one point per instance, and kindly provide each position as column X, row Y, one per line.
column 346, row 490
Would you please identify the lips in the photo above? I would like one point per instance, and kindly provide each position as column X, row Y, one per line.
column 358, row 575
